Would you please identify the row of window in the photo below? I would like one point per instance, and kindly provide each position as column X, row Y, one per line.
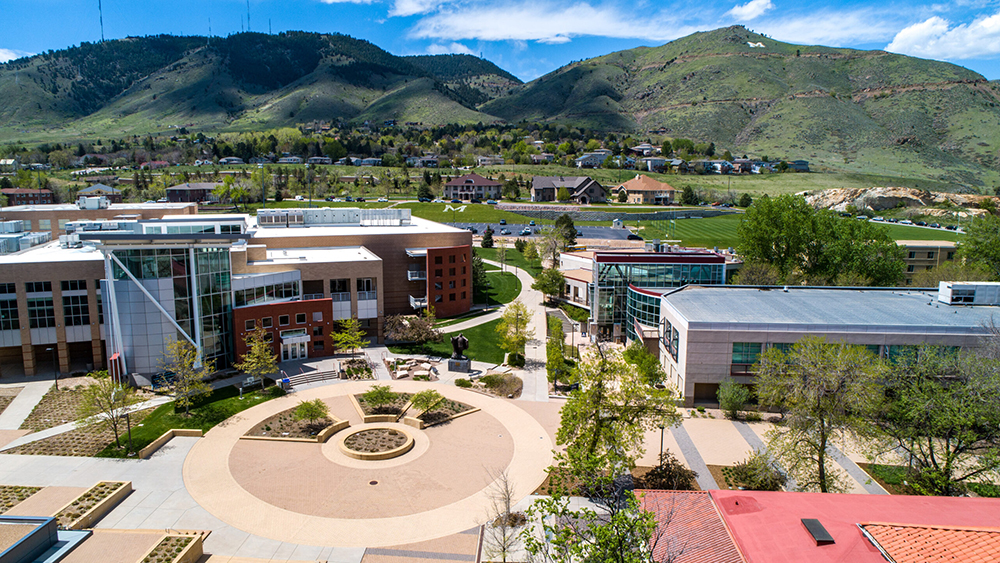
column 451, row 272
column 283, row 320
column 451, row 259
column 439, row 298
column 451, row 285
column 747, row 353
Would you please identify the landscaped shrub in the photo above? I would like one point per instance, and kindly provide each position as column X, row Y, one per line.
column 759, row 472
column 464, row 383
column 732, row 398
column 671, row 475
column 515, row 360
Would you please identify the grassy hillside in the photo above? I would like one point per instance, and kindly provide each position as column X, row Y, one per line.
column 244, row 81
column 839, row 108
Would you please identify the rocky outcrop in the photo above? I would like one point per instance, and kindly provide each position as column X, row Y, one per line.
column 879, row 199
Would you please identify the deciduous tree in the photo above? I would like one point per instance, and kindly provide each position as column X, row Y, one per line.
column 260, row 359
column 513, row 328
column 550, row 282
column 981, row 243
column 108, row 402
column 350, row 336
column 189, row 378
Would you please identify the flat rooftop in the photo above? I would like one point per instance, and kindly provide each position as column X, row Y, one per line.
column 52, row 252
column 416, row 226
column 317, row 255
column 112, row 207
column 819, row 309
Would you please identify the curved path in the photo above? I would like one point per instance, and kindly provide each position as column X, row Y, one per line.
column 209, row 478
column 526, row 291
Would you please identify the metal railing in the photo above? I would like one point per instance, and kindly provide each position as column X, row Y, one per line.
column 416, row 275
column 338, row 297
column 367, row 295
column 308, row 296
column 418, row 302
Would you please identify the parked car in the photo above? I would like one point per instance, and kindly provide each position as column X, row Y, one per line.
column 634, row 237
column 921, row 223
column 504, row 232
column 456, row 201
column 424, row 200
column 472, row 230
column 474, row 201
column 845, row 214
column 951, row 227
column 935, row 225
column 579, row 233
column 349, row 198
column 862, row 217
column 491, row 202
column 531, row 223
column 906, row 222
column 503, row 221
column 438, row 200
column 878, row 218
column 329, row 198
column 383, row 199
column 361, row 199
column 525, row 232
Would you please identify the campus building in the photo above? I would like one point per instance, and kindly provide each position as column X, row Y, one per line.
column 613, row 274
column 53, row 218
column 113, row 293
column 920, row 255
column 706, row 334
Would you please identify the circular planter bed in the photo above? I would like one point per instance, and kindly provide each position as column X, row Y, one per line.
column 376, row 443
column 284, row 425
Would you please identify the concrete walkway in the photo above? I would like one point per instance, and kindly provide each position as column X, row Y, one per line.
column 13, row 416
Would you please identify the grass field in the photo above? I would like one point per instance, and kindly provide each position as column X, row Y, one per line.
column 514, row 258
column 482, row 345
column 721, row 232
column 205, row 414
column 504, row 288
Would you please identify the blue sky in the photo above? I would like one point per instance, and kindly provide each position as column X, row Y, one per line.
column 529, row 37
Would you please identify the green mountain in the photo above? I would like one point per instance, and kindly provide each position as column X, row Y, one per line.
column 244, row 81
column 841, row 109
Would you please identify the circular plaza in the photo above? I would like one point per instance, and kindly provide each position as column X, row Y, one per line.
column 371, row 484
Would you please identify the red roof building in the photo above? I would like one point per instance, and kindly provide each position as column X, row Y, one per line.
column 472, row 186
column 691, row 529
column 22, row 196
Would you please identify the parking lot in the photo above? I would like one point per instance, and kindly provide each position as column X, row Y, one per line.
column 603, row 233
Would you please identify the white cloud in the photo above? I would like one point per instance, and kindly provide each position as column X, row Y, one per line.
column 347, row 1
column 545, row 24
column 751, row 10
column 455, row 48
column 11, row 54
column 834, row 28
column 405, row 8
column 937, row 38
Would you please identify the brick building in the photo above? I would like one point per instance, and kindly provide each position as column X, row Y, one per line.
column 21, row 196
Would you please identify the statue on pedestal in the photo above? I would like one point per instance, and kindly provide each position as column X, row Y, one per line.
column 459, row 344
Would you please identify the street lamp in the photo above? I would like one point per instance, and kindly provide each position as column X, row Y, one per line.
column 55, row 366
column 662, row 428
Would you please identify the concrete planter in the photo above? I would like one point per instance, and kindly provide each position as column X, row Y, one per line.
column 156, row 444
column 96, row 512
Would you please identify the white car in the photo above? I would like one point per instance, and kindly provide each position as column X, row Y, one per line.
column 906, row 222
column 383, row 199
column 878, row 219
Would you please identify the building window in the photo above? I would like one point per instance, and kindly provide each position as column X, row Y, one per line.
column 463, row 270
column 74, row 285
column 451, row 272
column 463, row 295
column 451, row 297
column 266, row 322
column 8, row 315
column 451, row 284
column 438, row 259
column 438, row 286
column 300, row 318
column 951, row 256
column 930, row 255
column 438, row 298
column 249, row 324
column 464, row 258
column 283, row 320
column 438, row 273
column 76, row 310
column 44, row 224
column 317, row 316
column 912, row 255
column 909, row 269
column 451, row 259
column 8, row 289
column 41, row 313
column 963, row 296
column 746, row 353
column 62, row 224
column 268, row 337
column 340, row 286
column 317, row 331
column 366, row 289
column 318, row 345
column 37, row 287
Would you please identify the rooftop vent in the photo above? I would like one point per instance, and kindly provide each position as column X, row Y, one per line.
column 817, row 531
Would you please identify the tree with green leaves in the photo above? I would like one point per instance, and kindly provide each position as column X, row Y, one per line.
column 605, row 421
column 645, row 363
column 733, row 397
column 822, row 389
column 940, row 411
column 757, row 273
column 260, row 359
column 502, row 254
column 955, row 270
column 758, row 472
column 487, row 241
column 311, row 411
column 745, row 201
column 566, row 230
column 480, row 283
column 380, row 398
column 689, row 196
column 182, row 359
column 981, row 243
column 426, row 400
column 108, row 402
column 551, row 282
column 350, row 336
column 417, row 328
column 513, row 328
column 562, row 194
column 424, row 191
column 622, row 196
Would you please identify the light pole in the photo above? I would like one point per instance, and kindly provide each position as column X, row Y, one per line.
column 55, row 366
column 662, row 428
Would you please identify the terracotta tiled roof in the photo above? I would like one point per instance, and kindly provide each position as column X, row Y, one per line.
column 25, row 191
column 693, row 526
column 924, row 544
column 643, row 183
column 472, row 180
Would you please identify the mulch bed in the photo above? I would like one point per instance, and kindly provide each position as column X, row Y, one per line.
column 394, row 408
column 12, row 495
column 7, row 395
column 444, row 410
column 284, row 425
column 637, row 474
column 87, row 441
column 86, row 501
column 890, row 488
column 720, row 478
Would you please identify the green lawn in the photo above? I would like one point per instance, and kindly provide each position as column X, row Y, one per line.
column 462, row 318
column 482, row 345
column 205, row 414
column 470, row 213
column 514, row 258
column 504, row 288
column 578, row 314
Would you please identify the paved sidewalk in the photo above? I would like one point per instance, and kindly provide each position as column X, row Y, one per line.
column 13, row 416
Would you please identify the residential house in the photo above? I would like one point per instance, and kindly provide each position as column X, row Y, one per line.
column 257, row 160
column 542, row 158
column 9, row 165
column 230, row 160
column 193, row 192
column 489, row 160
column 290, row 160
column 680, row 165
column 114, row 195
column 472, row 186
column 319, row 160
column 582, row 189
column 653, row 164
column 742, row 166
column 645, row 190
column 371, row 161
column 590, row 160
column 422, row 161
column 925, row 255
column 798, row 165
column 645, row 149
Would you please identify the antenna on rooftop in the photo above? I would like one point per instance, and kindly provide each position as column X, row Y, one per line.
column 208, row 39
column 241, row 25
column 269, row 26
column 248, row 15
column 100, row 13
